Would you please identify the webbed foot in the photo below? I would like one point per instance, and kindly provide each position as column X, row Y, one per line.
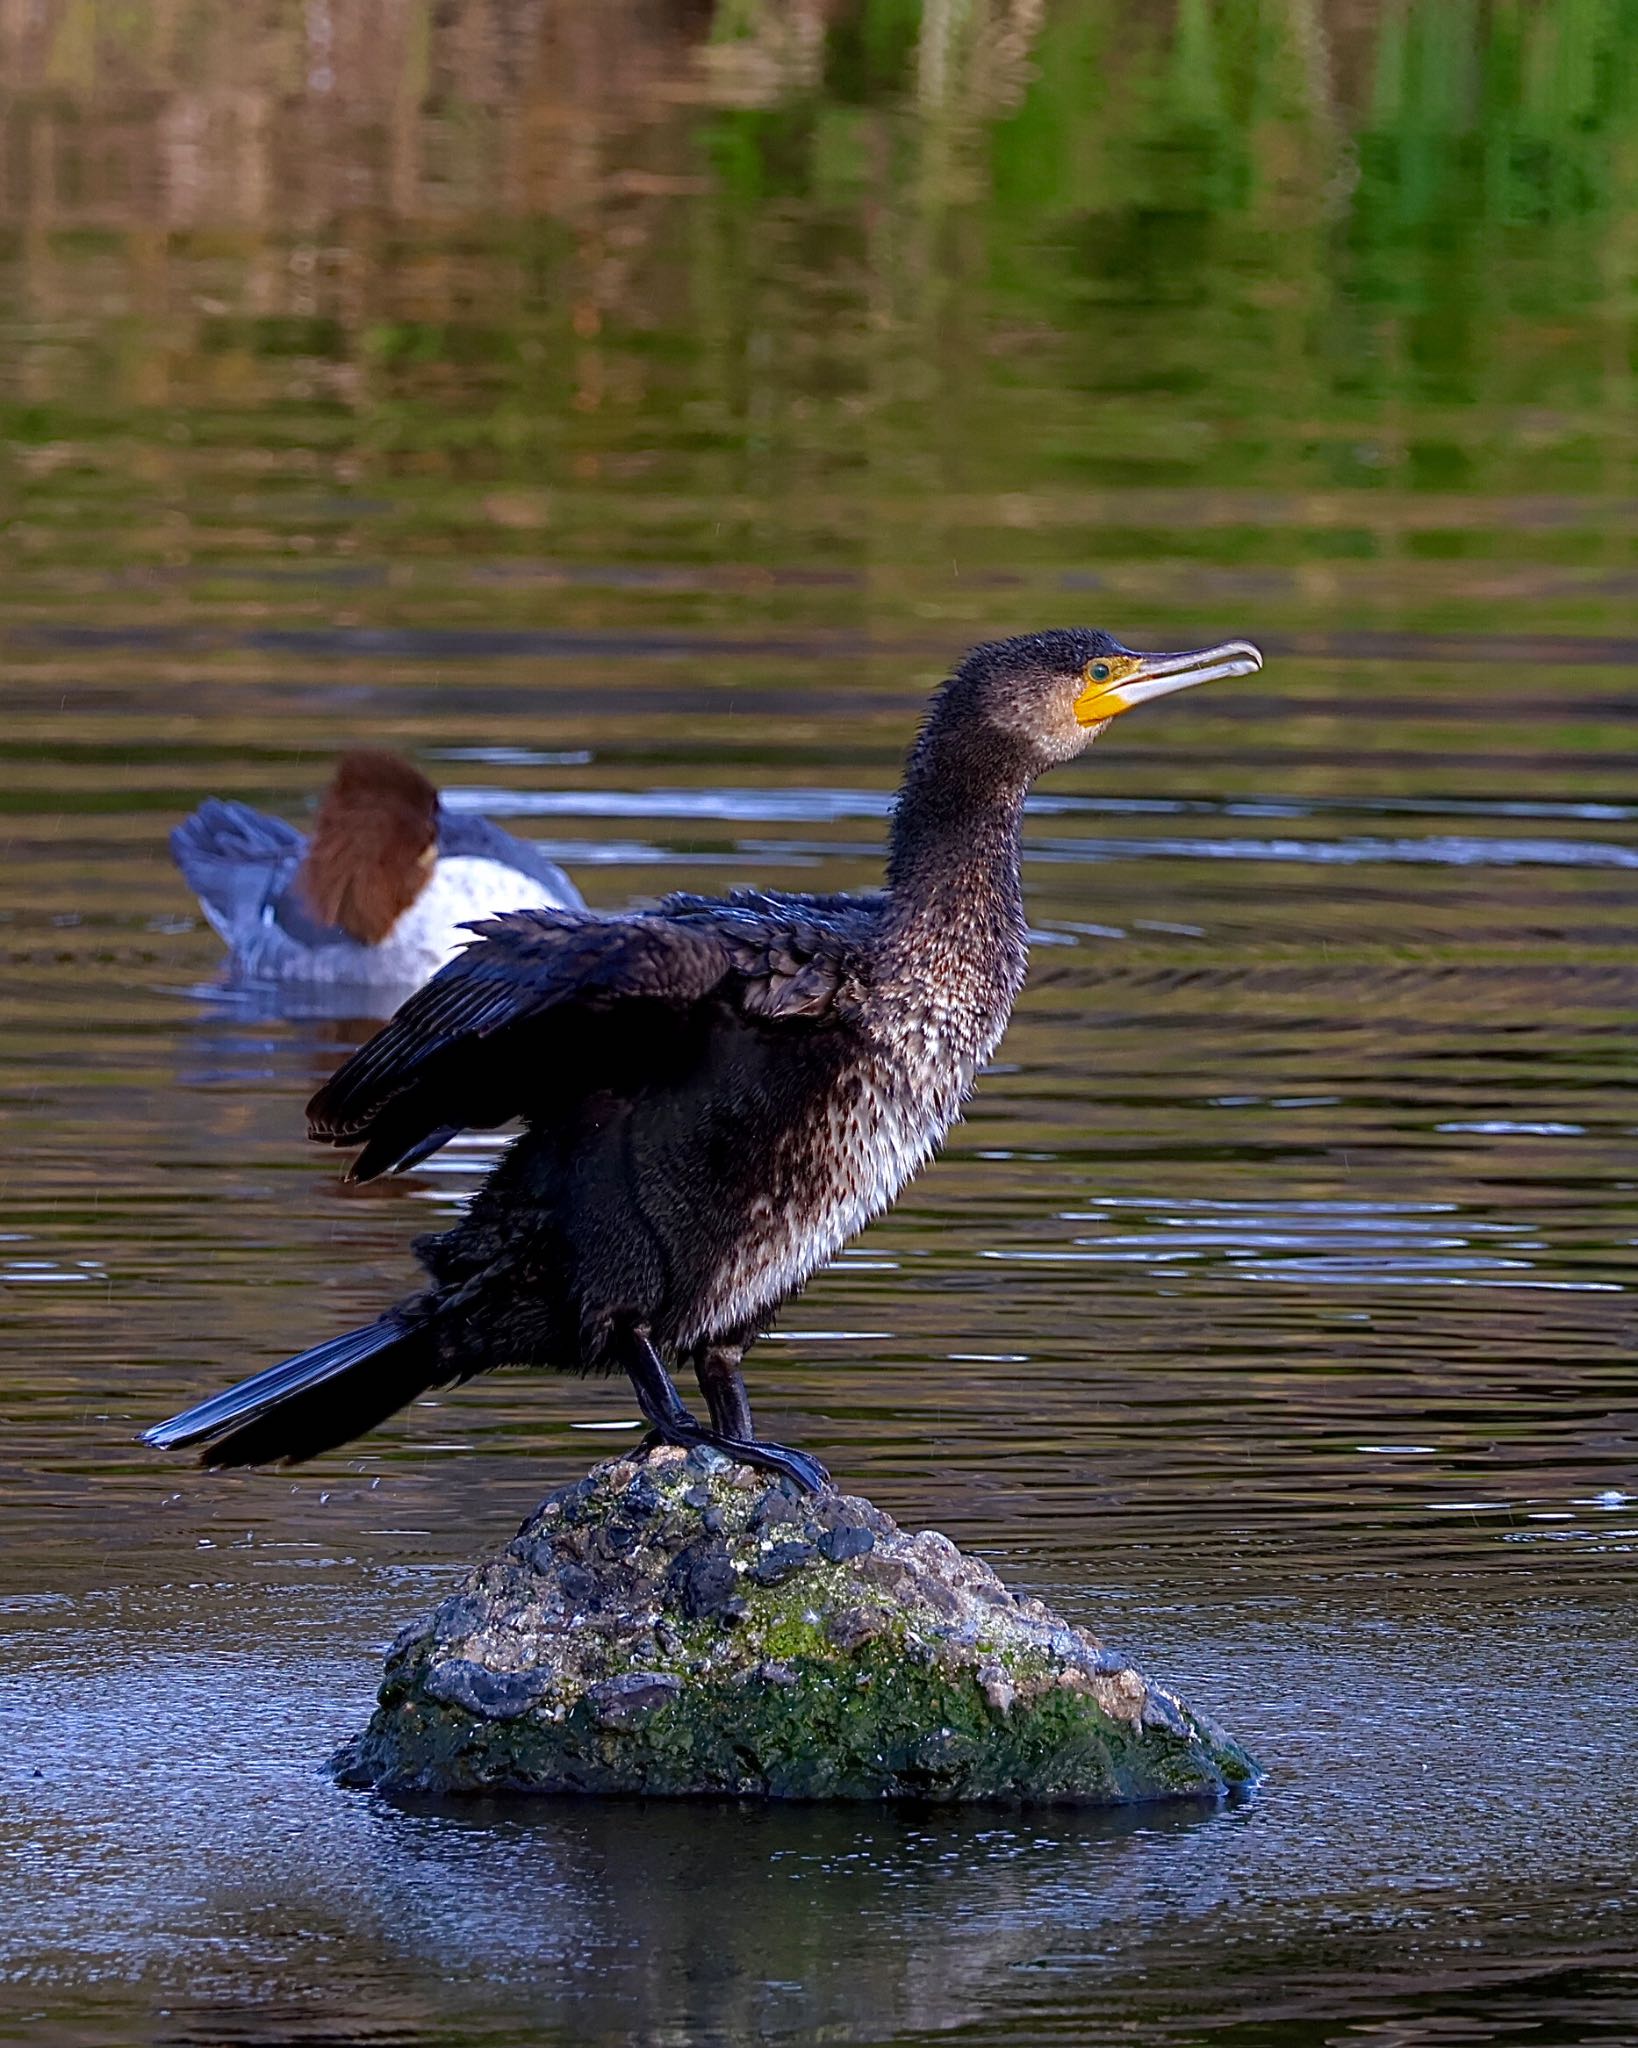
column 797, row 1466
column 803, row 1471
column 672, row 1424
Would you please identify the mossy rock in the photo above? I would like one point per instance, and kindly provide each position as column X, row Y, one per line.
column 674, row 1624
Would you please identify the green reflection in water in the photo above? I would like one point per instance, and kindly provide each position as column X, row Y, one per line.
column 922, row 294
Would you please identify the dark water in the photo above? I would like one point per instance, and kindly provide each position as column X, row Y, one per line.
column 631, row 409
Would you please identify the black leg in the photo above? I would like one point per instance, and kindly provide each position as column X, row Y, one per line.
column 672, row 1423
column 659, row 1400
column 717, row 1370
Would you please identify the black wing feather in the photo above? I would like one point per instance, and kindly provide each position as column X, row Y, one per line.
column 441, row 1064
column 795, row 956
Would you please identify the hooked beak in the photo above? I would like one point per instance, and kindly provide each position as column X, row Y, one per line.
column 1136, row 678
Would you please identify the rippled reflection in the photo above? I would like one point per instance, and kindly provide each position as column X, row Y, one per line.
column 631, row 408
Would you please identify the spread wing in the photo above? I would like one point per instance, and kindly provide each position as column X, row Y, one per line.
column 458, row 1053
column 546, row 1004
column 793, row 956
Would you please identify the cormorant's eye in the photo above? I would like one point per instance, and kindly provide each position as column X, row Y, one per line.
column 1099, row 671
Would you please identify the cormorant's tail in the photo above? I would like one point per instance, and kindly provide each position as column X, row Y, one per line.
column 313, row 1402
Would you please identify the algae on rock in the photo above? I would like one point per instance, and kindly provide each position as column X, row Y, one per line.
column 674, row 1624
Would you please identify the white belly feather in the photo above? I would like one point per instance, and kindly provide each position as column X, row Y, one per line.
column 829, row 1181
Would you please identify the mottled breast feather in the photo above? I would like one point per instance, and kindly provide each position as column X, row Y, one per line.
column 906, row 1063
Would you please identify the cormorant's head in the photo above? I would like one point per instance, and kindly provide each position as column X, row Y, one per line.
column 1057, row 691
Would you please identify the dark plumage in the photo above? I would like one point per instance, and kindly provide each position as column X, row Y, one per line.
column 715, row 1094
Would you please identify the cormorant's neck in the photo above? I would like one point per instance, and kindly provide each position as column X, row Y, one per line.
column 953, row 854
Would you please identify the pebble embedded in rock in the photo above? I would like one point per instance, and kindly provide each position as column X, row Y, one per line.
column 851, row 1627
column 779, row 1562
column 703, row 1580
column 491, row 1695
column 619, row 1702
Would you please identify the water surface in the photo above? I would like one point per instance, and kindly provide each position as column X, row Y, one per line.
column 631, row 411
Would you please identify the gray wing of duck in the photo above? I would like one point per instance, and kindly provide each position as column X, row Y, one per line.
column 237, row 862
column 242, row 866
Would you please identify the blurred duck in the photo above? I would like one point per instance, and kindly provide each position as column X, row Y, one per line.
column 377, row 898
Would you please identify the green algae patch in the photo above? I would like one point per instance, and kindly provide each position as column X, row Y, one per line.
column 675, row 1625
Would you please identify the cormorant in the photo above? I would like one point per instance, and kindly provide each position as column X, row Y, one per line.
column 382, row 894
column 715, row 1094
